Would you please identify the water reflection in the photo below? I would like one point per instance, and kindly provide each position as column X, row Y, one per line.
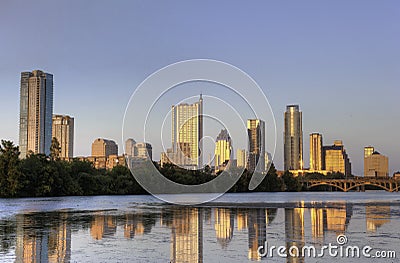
column 332, row 219
column 35, row 245
column 377, row 216
column 47, row 237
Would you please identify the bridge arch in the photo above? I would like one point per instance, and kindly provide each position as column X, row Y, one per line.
column 368, row 183
column 325, row 183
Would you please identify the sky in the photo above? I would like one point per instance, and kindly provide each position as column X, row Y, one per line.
column 339, row 60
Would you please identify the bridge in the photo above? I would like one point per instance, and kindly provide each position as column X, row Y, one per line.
column 355, row 184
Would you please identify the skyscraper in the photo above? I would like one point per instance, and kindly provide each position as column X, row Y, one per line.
column 187, row 132
column 36, row 110
column 104, row 148
column 293, row 138
column 336, row 158
column 63, row 131
column 223, row 150
column 256, row 133
column 241, row 158
column 316, row 155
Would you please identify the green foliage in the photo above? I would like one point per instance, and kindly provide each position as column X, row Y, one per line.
column 40, row 175
column 55, row 149
column 9, row 172
column 292, row 183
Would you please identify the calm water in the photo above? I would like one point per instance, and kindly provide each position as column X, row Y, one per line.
column 230, row 229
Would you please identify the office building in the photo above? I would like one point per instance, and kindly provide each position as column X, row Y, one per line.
column 256, row 133
column 36, row 110
column 368, row 150
column 187, row 132
column 241, row 158
column 268, row 161
column 223, row 150
column 104, row 148
column 316, row 155
column 130, row 147
column 293, row 138
column 376, row 165
column 63, row 131
column 138, row 150
column 103, row 162
column 144, row 150
column 336, row 158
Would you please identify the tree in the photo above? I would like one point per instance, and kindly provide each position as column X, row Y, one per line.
column 9, row 169
column 55, row 149
column 292, row 183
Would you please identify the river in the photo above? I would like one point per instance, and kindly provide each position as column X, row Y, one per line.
column 229, row 229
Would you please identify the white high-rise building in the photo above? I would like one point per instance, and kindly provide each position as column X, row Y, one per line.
column 187, row 132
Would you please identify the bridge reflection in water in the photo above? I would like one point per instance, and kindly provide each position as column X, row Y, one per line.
column 355, row 184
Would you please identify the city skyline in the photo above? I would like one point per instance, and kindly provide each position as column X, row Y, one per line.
column 343, row 72
column 36, row 103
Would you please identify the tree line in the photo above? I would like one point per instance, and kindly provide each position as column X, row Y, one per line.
column 39, row 175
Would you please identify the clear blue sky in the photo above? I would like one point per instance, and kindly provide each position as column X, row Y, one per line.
column 339, row 60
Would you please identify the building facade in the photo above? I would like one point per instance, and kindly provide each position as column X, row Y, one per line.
column 368, row 150
column 336, row 158
column 144, row 150
column 241, row 158
column 256, row 133
column 376, row 165
column 63, row 131
column 130, row 150
column 293, row 138
column 136, row 150
column 316, row 155
column 36, row 110
column 104, row 148
column 223, row 150
column 187, row 132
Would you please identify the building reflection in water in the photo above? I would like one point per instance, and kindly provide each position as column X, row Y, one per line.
column 186, row 234
column 376, row 216
column 48, row 245
column 257, row 221
column 47, row 238
column 103, row 226
column 330, row 219
column 223, row 225
column 294, row 233
column 241, row 220
column 133, row 226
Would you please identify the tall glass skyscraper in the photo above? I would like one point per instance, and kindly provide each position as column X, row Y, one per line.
column 256, row 133
column 36, row 110
column 316, row 154
column 187, row 132
column 293, row 138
